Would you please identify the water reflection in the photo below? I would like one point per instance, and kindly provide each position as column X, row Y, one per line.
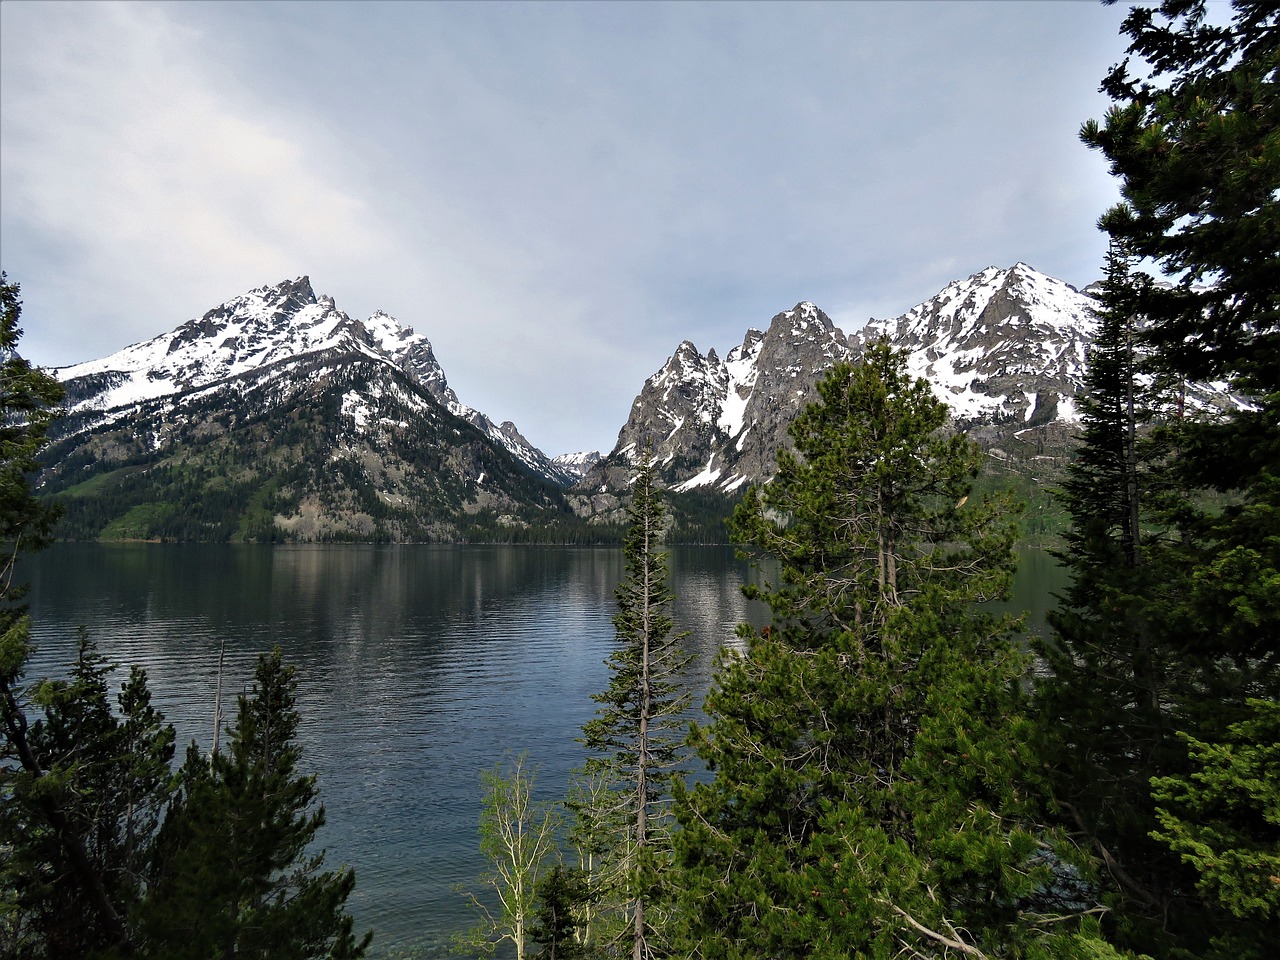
column 418, row 667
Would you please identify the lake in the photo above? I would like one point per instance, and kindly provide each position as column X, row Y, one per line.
column 418, row 667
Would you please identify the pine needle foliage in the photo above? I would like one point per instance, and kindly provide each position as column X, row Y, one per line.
column 1168, row 633
column 875, row 789
column 635, row 741
column 236, row 872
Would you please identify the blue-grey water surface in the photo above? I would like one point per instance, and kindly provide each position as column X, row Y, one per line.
column 418, row 667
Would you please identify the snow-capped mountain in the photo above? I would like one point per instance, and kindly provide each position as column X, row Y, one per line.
column 577, row 464
column 269, row 328
column 717, row 423
column 1005, row 346
column 1002, row 345
column 276, row 415
column 1005, row 349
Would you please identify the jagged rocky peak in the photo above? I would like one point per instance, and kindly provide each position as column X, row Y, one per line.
column 785, row 365
column 747, row 347
column 273, row 328
column 1005, row 343
column 298, row 291
column 710, row 421
column 577, row 464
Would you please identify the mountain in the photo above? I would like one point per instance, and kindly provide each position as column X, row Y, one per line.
column 1004, row 349
column 576, row 465
column 717, row 423
column 1003, row 345
column 276, row 414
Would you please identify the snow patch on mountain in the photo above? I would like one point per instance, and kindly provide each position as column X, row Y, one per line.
column 991, row 344
column 269, row 329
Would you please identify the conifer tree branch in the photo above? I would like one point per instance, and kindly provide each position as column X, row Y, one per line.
column 934, row 935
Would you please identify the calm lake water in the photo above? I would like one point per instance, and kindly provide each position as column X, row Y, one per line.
column 418, row 667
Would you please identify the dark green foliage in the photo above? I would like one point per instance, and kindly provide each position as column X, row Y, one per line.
column 234, row 873
column 28, row 406
column 1169, row 627
column 875, row 785
column 562, row 893
column 1193, row 141
column 253, row 463
column 1223, row 817
column 1112, row 671
column 635, row 740
column 80, row 812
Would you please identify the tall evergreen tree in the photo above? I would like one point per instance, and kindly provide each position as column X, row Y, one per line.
column 29, row 400
column 1111, row 671
column 635, row 739
column 75, row 803
column 875, row 785
column 235, row 872
column 1179, row 636
column 557, row 922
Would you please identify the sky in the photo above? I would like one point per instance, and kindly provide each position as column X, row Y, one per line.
column 555, row 194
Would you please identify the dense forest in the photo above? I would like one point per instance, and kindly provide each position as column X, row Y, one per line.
column 888, row 772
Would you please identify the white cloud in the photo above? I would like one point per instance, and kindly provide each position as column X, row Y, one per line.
column 120, row 134
column 556, row 194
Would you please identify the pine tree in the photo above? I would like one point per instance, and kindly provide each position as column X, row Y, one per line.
column 1185, row 638
column 29, row 400
column 874, row 768
column 556, row 925
column 1111, row 674
column 73, row 847
column 82, row 811
column 635, row 739
column 1192, row 137
column 1224, row 819
column 235, row 873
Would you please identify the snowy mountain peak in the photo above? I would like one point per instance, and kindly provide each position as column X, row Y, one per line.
column 748, row 346
column 298, row 290
column 1004, row 343
column 270, row 328
column 801, row 320
column 711, row 421
column 577, row 464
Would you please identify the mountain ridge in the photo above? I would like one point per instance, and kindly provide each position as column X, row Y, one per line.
column 275, row 415
column 266, row 325
column 1005, row 349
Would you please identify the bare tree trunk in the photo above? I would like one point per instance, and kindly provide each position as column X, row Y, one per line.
column 642, row 764
column 217, row 698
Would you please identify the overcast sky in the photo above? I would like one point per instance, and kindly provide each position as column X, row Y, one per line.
column 556, row 194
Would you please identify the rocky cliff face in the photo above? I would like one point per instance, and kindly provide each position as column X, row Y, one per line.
column 713, row 422
column 800, row 345
column 323, row 426
column 1004, row 348
column 258, row 331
